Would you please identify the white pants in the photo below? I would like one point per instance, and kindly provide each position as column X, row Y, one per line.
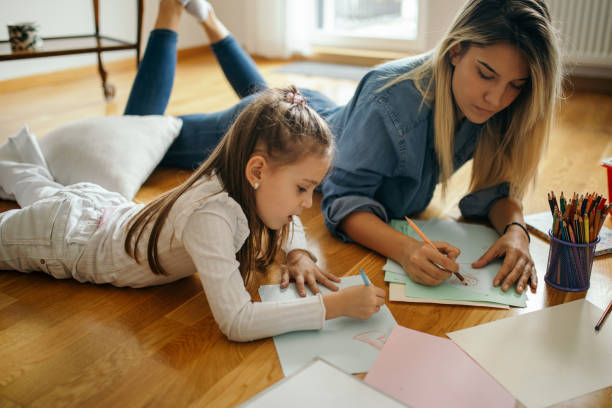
column 55, row 222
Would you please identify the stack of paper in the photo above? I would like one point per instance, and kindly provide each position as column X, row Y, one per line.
column 473, row 241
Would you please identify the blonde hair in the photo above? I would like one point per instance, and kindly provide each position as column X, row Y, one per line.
column 278, row 126
column 511, row 142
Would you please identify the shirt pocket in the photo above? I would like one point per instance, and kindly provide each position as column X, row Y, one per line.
column 32, row 225
column 55, row 268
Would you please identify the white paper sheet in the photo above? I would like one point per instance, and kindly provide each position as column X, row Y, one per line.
column 547, row 356
column 318, row 385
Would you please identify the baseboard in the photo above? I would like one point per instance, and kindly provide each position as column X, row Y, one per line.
column 194, row 52
column 577, row 83
column 71, row 74
column 354, row 56
column 25, row 82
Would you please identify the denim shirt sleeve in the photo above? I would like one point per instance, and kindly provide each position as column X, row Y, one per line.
column 478, row 203
column 343, row 206
column 359, row 172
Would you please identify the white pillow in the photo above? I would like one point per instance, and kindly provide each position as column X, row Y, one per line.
column 116, row 152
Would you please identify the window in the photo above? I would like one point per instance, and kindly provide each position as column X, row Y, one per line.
column 373, row 24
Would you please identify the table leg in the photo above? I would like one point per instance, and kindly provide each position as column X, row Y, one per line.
column 109, row 89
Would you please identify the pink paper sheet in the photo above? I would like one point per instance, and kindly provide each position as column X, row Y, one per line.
column 422, row 370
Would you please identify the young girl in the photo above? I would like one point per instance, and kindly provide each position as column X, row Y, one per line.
column 487, row 91
column 234, row 214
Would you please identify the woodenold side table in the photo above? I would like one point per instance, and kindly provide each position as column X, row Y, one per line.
column 80, row 44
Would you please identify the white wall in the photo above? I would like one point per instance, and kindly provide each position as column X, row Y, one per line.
column 74, row 17
column 118, row 19
column 438, row 16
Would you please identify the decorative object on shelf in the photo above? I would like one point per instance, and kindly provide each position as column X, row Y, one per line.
column 25, row 36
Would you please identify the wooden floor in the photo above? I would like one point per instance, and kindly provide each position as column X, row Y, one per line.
column 63, row 343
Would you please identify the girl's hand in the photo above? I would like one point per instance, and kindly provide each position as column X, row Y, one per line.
column 518, row 264
column 421, row 262
column 303, row 269
column 359, row 302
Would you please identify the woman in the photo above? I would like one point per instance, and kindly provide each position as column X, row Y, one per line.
column 487, row 92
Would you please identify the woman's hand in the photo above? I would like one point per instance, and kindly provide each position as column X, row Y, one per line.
column 518, row 265
column 359, row 302
column 303, row 269
column 421, row 262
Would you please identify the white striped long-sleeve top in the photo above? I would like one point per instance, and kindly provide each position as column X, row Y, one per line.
column 203, row 232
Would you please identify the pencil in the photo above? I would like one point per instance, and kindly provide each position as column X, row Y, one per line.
column 366, row 281
column 603, row 316
column 602, row 203
column 562, row 201
column 550, row 204
column 588, row 204
column 428, row 242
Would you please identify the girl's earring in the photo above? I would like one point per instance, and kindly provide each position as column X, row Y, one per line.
column 255, row 186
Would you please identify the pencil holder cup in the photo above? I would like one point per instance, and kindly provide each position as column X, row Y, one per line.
column 569, row 265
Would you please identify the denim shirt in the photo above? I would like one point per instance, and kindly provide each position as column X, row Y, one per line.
column 386, row 161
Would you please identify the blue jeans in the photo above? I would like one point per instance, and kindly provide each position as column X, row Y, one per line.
column 202, row 132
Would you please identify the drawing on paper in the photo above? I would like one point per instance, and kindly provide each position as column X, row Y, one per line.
column 374, row 338
column 469, row 278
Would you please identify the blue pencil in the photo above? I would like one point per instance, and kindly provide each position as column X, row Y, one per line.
column 366, row 281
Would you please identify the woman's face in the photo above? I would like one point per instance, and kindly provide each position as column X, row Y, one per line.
column 487, row 79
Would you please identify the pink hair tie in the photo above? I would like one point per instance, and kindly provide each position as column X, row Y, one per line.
column 295, row 98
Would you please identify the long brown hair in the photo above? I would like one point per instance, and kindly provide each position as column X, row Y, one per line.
column 511, row 142
column 277, row 125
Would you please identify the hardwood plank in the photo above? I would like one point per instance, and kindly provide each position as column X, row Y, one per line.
column 121, row 342
column 124, row 365
column 6, row 300
column 264, row 364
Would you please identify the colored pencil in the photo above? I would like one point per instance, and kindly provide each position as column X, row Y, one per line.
column 586, row 229
column 603, row 316
column 366, row 281
column 428, row 242
column 562, row 201
column 551, row 204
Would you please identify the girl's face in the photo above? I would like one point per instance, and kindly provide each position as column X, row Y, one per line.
column 487, row 79
column 287, row 190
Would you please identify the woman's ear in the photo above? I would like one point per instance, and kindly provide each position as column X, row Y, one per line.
column 455, row 54
column 255, row 169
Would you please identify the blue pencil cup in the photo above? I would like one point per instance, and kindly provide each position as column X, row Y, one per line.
column 569, row 265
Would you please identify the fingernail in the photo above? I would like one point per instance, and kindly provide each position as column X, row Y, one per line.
column 496, row 283
column 520, row 288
